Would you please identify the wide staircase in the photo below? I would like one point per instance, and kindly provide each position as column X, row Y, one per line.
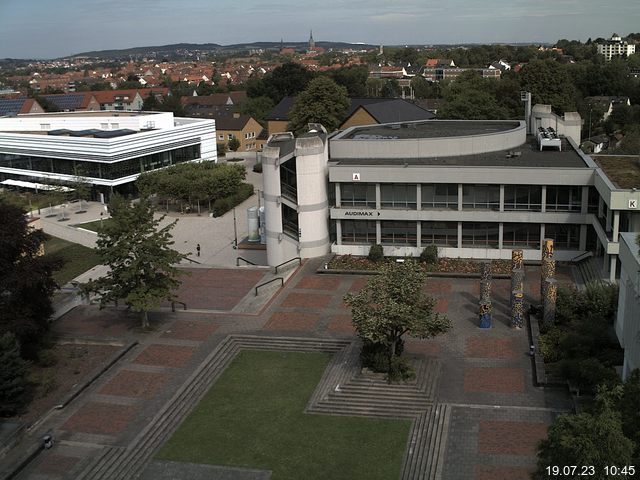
column 590, row 270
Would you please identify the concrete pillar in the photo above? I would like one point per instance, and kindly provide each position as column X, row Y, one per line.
column 378, row 232
column 419, row 234
column 500, row 235
column 378, row 198
column 543, row 207
column 616, row 226
column 612, row 268
column 419, row 197
column 460, row 193
column 583, row 237
column 608, row 222
column 338, row 196
column 501, row 199
column 272, row 205
column 459, row 234
column 339, row 232
column 584, row 206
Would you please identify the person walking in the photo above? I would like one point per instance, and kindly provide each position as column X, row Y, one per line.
column 198, row 250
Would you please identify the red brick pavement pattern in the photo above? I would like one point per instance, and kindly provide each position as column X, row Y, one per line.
column 306, row 300
column 487, row 347
column 101, row 418
column 357, row 284
column 438, row 286
column 52, row 464
column 494, row 380
column 216, row 288
column 494, row 472
column 442, row 305
column 510, row 438
column 427, row 348
column 190, row 330
column 90, row 321
column 292, row 321
column 319, row 282
column 165, row 355
column 130, row 383
column 341, row 324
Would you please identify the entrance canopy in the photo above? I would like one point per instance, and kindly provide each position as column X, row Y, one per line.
column 36, row 186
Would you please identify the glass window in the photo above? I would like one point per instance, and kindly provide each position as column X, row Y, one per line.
column 480, row 234
column 525, row 235
column 358, row 195
column 565, row 236
column 442, row 234
column 358, row 232
column 398, row 233
column 289, row 180
column 481, row 197
column 398, row 195
column 290, row 221
column 439, row 195
column 564, row 199
column 523, row 197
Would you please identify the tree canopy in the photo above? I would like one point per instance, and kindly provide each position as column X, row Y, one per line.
column 142, row 264
column 324, row 101
column 26, row 280
column 393, row 304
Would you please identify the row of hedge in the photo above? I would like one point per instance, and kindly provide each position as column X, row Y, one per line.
column 223, row 205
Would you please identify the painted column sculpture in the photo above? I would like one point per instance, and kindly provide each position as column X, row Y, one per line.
column 549, row 302
column 548, row 264
column 517, row 309
column 485, row 296
column 517, row 259
column 517, row 282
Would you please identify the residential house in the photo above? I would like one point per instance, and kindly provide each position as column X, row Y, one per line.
column 18, row 106
column 615, row 47
column 245, row 128
column 608, row 103
column 74, row 102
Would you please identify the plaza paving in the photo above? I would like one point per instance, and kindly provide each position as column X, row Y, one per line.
column 497, row 414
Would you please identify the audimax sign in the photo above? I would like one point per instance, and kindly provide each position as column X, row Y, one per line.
column 361, row 213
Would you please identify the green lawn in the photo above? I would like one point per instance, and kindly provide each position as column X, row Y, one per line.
column 78, row 258
column 253, row 417
column 93, row 226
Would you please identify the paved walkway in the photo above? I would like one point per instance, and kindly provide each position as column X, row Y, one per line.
column 497, row 415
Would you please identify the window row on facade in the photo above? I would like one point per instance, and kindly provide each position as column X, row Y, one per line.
column 474, row 197
column 109, row 171
column 445, row 234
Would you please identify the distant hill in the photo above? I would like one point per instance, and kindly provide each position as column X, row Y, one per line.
column 180, row 49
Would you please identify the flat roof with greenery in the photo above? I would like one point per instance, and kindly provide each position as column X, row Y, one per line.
column 253, row 417
column 623, row 171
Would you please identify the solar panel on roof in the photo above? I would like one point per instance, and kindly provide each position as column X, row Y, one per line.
column 11, row 106
column 70, row 101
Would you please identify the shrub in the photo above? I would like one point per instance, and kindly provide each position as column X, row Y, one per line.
column 429, row 255
column 14, row 386
column 47, row 358
column 376, row 253
column 589, row 373
column 375, row 356
column 601, row 301
column 550, row 344
column 222, row 149
column 400, row 370
column 223, row 205
column 258, row 167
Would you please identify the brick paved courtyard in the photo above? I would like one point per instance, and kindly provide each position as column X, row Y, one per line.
column 498, row 415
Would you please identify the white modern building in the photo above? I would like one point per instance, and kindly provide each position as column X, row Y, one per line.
column 475, row 189
column 628, row 318
column 108, row 149
column 615, row 47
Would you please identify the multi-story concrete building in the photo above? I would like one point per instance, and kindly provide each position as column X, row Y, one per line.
column 108, row 149
column 615, row 47
column 628, row 318
column 476, row 189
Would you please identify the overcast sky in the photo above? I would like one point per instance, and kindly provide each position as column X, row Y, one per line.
column 54, row 28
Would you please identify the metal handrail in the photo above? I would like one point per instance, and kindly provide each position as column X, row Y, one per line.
column 193, row 261
column 244, row 260
column 288, row 261
column 270, row 281
column 173, row 305
column 581, row 257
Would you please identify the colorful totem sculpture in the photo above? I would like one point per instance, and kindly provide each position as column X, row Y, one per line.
column 485, row 296
column 549, row 302
column 517, row 309
column 517, row 282
column 517, row 259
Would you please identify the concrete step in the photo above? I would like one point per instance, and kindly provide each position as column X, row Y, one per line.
column 352, row 410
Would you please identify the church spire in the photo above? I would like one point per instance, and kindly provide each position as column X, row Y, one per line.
column 312, row 43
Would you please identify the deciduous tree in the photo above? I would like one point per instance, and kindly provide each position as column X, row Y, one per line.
column 142, row 264
column 13, row 376
column 324, row 101
column 393, row 304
